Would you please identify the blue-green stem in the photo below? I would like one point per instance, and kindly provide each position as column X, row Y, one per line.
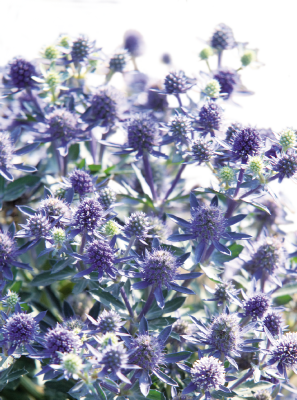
column 148, row 303
column 176, row 179
column 149, row 174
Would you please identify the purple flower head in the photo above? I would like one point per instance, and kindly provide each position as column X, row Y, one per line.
column 147, row 352
column 119, row 60
column 224, row 292
column 114, row 358
column 74, row 324
column 8, row 250
column 105, row 105
column 106, row 197
column 210, row 117
column 133, row 42
column 246, row 142
column 202, row 150
column 156, row 100
column 273, row 322
column 223, row 38
column 228, row 80
column 143, row 133
column 180, row 128
column 81, row 182
column 21, row 73
column 158, row 229
column 166, row 58
column 80, row 49
column 285, row 165
column 89, row 215
column 137, row 225
column 38, row 226
column 55, row 207
column 60, row 339
column 20, row 329
column 207, row 223
column 62, row 125
column 284, row 353
column 177, row 82
column 109, row 321
column 256, row 305
column 208, row 373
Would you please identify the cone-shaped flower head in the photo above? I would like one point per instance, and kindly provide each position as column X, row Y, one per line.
column 223, row 38
column 286, row 165
column 88, row 215
column 137, row 225
column 208, row 373
column 228, row 80
column 109, row 321
column 180, row 128
column 54, row 207
column 208, row 223
column 119, row 60
column 62, row 124
column 80, row 49
column 148, row 352
column 273, row 322
column 105, row 105
column 210, row 117
column 100, row 255
column 114, row 357
column 38, row 225
column 107, row 197
column 20, row 328
column 224, row 333
column 143, row 132
column 202, row 150
column 81, row 182
column 21, row 72
column 61, row 340
column 256, row 305
column 284, row 352
column 246, row 142
column 177, row 82
column 72, row 363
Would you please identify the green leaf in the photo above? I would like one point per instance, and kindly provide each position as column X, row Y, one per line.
column 74, row 153
column 47, row 278
column 107, row 298
column 17, row 188
column 170, row 306
column 80, row 286
column 235, row 249
column 240, row 279
column 95, row 167
column 282, row 300
column 219, row 394
column 290, row 288
column 212, row 273
column 16, row 374
column 258, row 386
column 161, row 322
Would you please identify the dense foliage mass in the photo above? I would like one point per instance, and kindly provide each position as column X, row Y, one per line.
column 118, row 279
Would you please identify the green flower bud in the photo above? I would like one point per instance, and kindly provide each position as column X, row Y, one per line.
column 287, row 139
column 226, row 174
column 109, row 336
column 248, row 57
column 256, row 165
column 212, row 89
column 206, row 53
column 59, row 236
column 72, row 363
column 52, row 79
column 111, row 228
column 64, row 41
column 11, row 299
column 51, row 52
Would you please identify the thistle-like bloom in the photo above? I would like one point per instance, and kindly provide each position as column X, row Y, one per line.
column 89, row 216
column 224, row 336
column 159, row 268
column 246, row 142
column 148, row 352
column 21, row 72
column 108, row 322
column 287, row 139
column 177, row 82
column 202, row 151
column 133, row 42
column 81, row 182
column 10, row 300
column 7, row 152
column 207, row 374
column 207, row 225
column 106, row 197
column 210, row 118
column 20, row 329
column 268, row 259
column 274, row 323
column 285, row 165
column 38, row 226
column 9, row 253
column 137, row 225
column 284, row 353
column 72, row 365
column 256, row 305
column 224, row 292
column 55, row 208
column 60, row 340
column 119, row 60
column 81, row 48
column 158, row 229
column 180, row 130
column 228, row 80
column 222, row 38
column 105, row 106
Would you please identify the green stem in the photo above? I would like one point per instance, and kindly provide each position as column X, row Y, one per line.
column 31, row 387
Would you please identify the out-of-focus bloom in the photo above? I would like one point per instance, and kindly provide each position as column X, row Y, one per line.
column 228, row 80
column 212, row 89
column 89, row 216
column 137, row 225
column 133, row 42
column 256, row 305
column 222, row 38
column 108, row 322
column 176, row 82
column 285, row 165
column 206, row 53
column 119, row 60
column 284, row 353
column 106, row 197
column 20, row 74
column 224, row 292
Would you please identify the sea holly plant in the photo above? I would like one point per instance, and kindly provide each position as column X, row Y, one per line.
column 120, row 278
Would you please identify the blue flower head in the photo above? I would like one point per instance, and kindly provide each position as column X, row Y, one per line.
column 137, row 225
column 81, row 182
column 60, row 339
column 224, row 292
column 54, row 208
column 285, row 165
column 89, row 215
column 228, row 80
column 105, row 104
column 38, row 226
column 21, row 72
column 148, row 352
column 273, row 322
column 210, row 118
column 222, row 38
column 256, row 305
column 246, row 142
column 106, row 197
column 81, row 49
column 176, row 82
column 284, row 353
column 180, row 128
column 133, row 42
column 119, row 60
column 208, row 373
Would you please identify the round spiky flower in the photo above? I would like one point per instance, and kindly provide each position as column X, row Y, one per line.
column 119, row 60
column 226, row 174
column 51, row 52
column 54, row 207
column 114, row 358
column 20, row 328
column 269, row 257
column 81, row 182
column 202, row 150
column 224, row 333
column 286, row 165
column 6, row 150
column 143, row 132
column 62, row 124
column 74, row 324
column 206, row 53
column 222, row 290
column 210, row 117
column 11, row 299
column 228, row 79
column 177, row 82
column 208, row 373
column 100, row 255
column 105, row 105
column 248, row 57
column 58, row 236
column 273, row 322
column 263, row 395
column 180, row 127
column 223, row 38
column 288, row 139
column 72, row 363
column 21, row 72
column 8, row 249
column 133, row 42
column 111, row 228
column 137, row 225
column 159, row 267
column 38, row 225
column 256, row 165
column 256, row 305
column 158, row 229
column 107, row 197
column 148, row 352
column 212, row 89
column 207, row 223
column 80, row 49
column 246, row 142
column 60, row 339
column 284, row 351
column 109, row 321
column 88, row 215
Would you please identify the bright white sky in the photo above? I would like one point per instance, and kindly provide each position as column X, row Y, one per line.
column 175, row 26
